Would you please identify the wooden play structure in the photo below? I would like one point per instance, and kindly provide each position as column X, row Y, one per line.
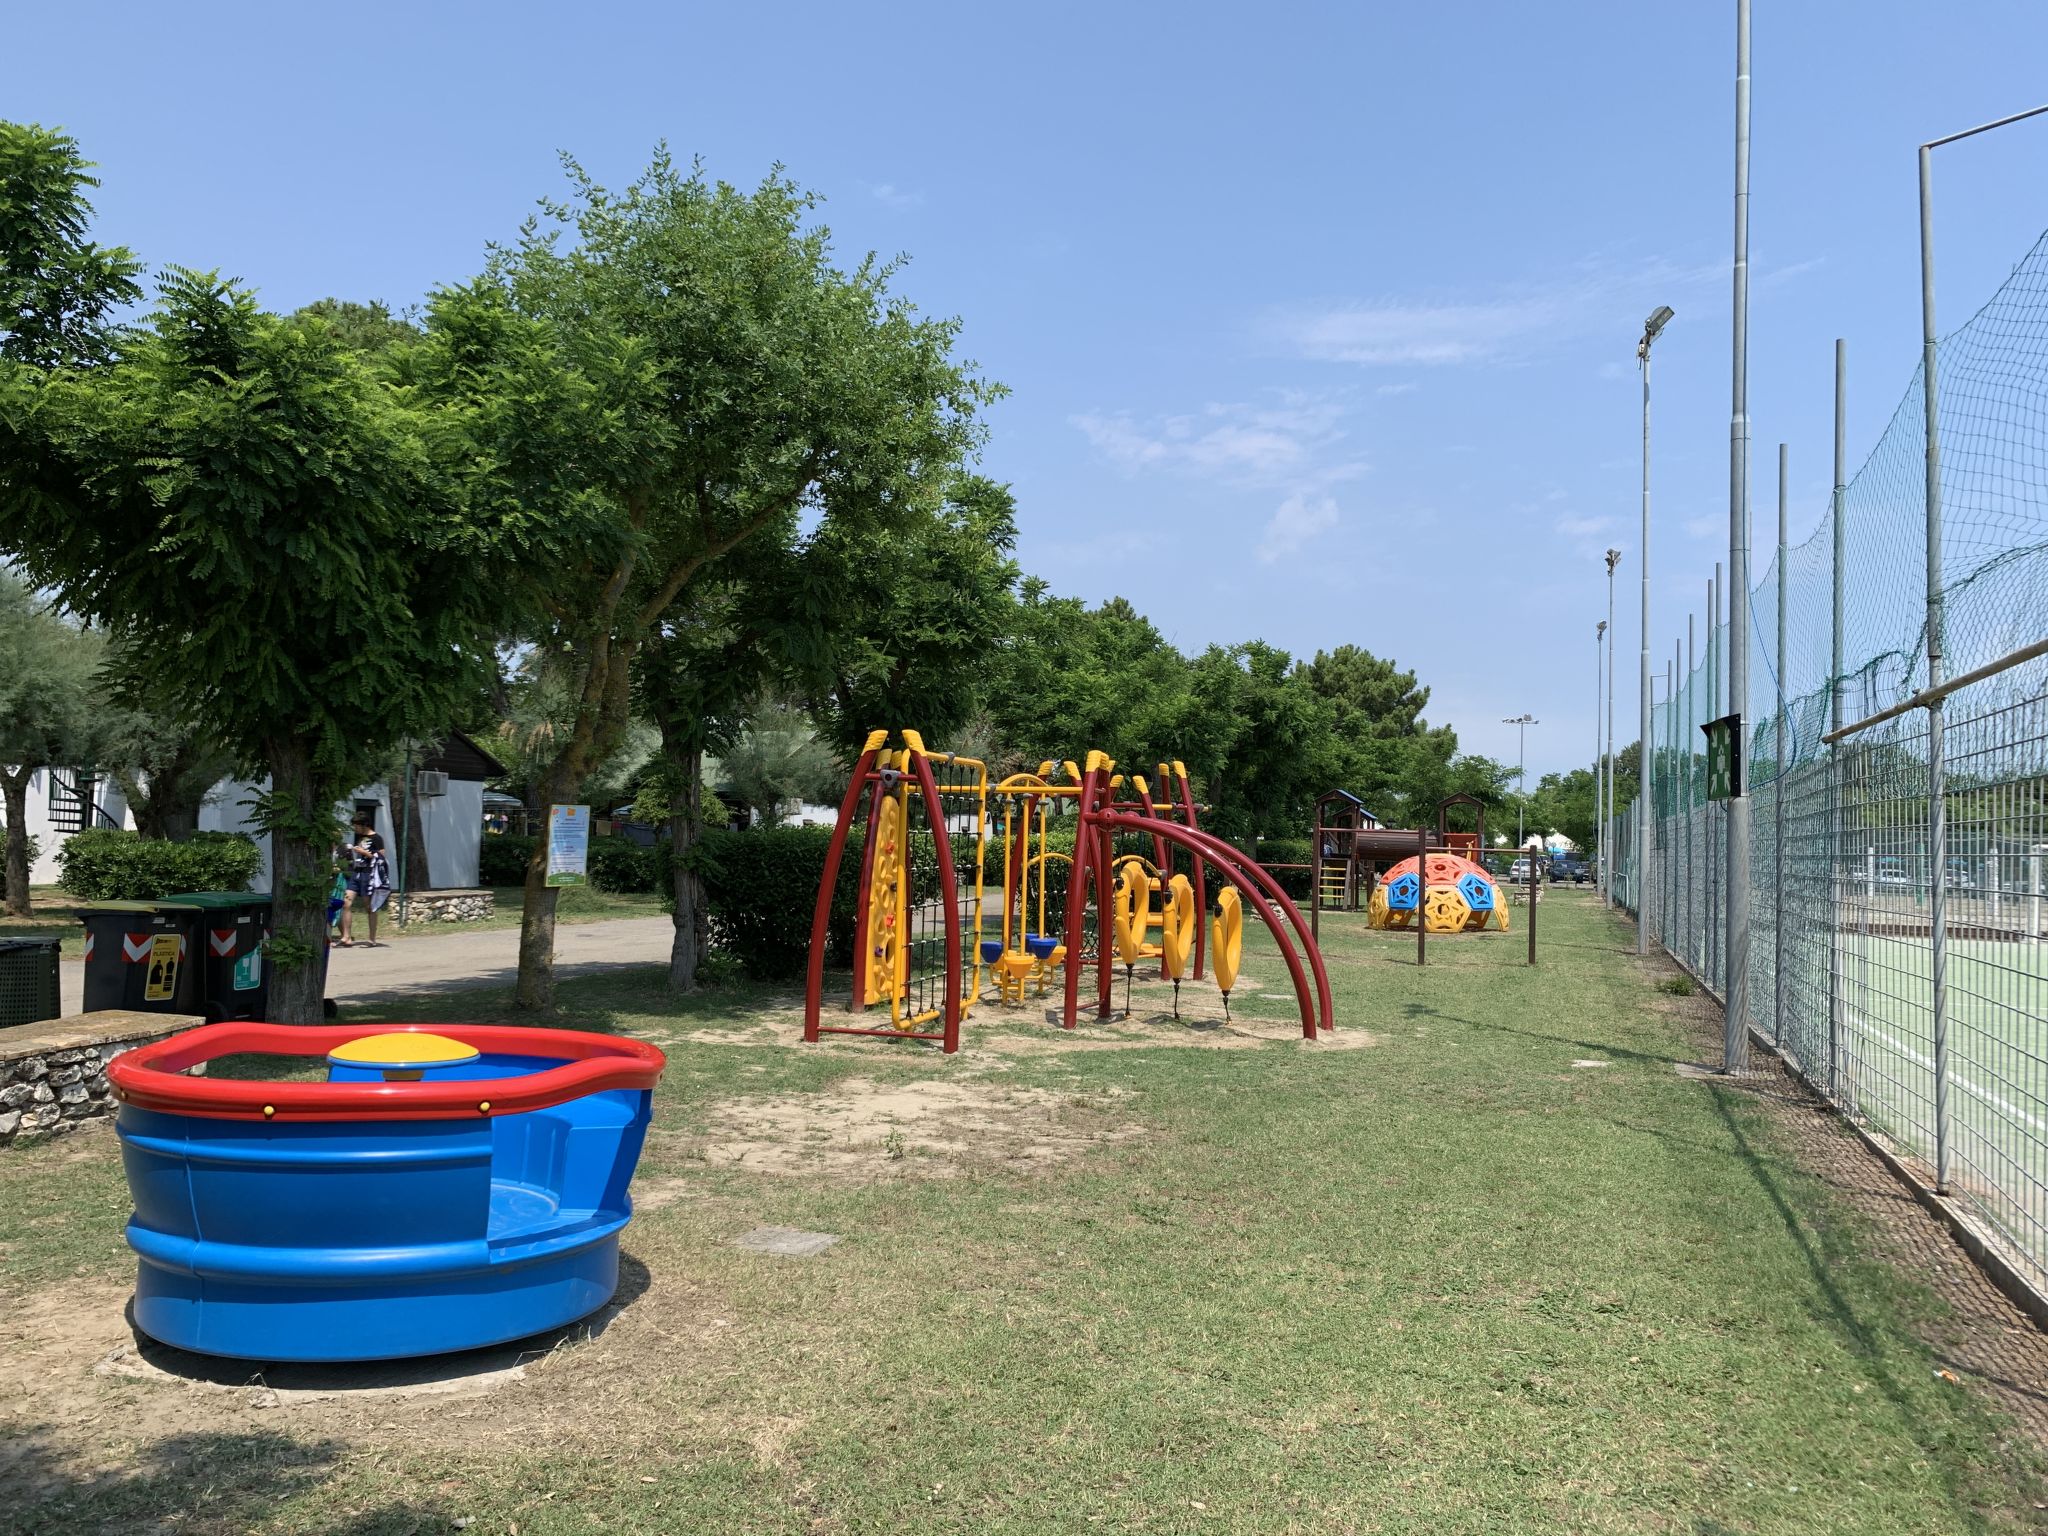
column 1132, row 887
column 1402, row 879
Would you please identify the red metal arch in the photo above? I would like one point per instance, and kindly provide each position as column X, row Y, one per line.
column 1095, row 826
column 1246, row 874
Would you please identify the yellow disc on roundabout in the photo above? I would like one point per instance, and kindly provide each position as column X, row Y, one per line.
column 403, row 1051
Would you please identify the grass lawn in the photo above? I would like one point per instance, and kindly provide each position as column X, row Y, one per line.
column 573, row 904
column 53, row 914
column 1433, row 1278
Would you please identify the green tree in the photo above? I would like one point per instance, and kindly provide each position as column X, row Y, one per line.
column 165, row 766
column 51, row 713
column 58, row 290
column 920, row 612
column 250, row 513
column 680, row 367
column 367, row 328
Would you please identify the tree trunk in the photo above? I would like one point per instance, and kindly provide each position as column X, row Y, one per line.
column 536, row 989
column 14, row 785
column 686, row 826
column 301, row 872
column 411, row 835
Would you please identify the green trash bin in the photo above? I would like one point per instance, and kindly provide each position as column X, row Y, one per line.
column 141, row 957
column 234, row 976
column 28, row 982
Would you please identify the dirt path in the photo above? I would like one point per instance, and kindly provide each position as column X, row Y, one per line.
column 489, row 958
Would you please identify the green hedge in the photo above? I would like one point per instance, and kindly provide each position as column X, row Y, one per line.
column 502, row 858
column 103, row 864
column 1287, row 850
column 617, row 864
column 623, row 867
column 760, row 887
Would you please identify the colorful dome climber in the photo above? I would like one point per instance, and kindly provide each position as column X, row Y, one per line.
column 1451, row 894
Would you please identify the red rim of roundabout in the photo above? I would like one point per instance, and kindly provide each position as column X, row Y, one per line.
column 150, row 1077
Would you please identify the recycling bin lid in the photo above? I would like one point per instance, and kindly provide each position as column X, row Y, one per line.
column 123, row 906
column 220, row 900
column 37, row 941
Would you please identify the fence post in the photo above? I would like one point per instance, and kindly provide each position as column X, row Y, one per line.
column 1937, row 774
column 1699, row 964
column 1838, row 828
column 1778, row 795
column 1716, row 929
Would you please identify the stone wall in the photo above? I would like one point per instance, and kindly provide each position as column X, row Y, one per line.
column 449, row 906
column 54, row 1075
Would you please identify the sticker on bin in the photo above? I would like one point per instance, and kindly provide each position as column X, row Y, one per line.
column 223, row 940
column 137, row 946
column 249, row 971
column 162, row 984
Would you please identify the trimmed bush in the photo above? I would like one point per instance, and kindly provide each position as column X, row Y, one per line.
column 103, row 864
column 621, row 866
column 502, row 859
column 1287, row 850
column 760, row 886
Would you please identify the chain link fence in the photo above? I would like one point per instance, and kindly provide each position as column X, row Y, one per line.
column 1898, row 964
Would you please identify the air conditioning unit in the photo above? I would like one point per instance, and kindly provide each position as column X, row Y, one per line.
column 430, row 782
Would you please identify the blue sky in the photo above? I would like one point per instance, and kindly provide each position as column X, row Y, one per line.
column 1319, row 319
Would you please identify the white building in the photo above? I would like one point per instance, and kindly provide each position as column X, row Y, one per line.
column 448, row 781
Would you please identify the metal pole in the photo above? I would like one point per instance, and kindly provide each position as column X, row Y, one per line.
column 1535, row 895
column 1712, row 932
column 1643, row 662
column 1670, row 925
column 1735, row 1038
column 1599, row 777
column 1778, row 797
column 1692, row 924
column 404, row 840
column 1607, row 863
column 1421, row 893
column 1937, row 776
column 1836, row 831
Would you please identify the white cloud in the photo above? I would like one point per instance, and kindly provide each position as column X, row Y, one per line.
column 1408, row 387
column 889, row 195
column 1583, row 527
column 1600, row 295
column 1294, row 522
column 1707, row 527
column 1408, row 334
column 1286, row 443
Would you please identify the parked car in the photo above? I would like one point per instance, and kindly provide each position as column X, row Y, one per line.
column 1892, row 871
column 1569, row 866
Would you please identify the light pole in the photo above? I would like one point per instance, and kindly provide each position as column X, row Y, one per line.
column 1599, row 779
column 1606, row 872
column 1521, row 722
column 1659, row 318
column 1735, row 952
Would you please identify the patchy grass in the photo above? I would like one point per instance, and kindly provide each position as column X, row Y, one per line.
column 53, row 914
column 1441, row 1283
column 573, row 904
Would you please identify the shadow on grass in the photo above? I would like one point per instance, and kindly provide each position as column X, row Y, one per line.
column 1605, row 1047
column 1864, row 1345
column 189, row 1482
column 419, row 1375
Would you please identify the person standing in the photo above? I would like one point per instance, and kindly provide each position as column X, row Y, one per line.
column 368, row 880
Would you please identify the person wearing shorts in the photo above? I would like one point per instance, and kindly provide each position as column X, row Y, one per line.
column 363, row 859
